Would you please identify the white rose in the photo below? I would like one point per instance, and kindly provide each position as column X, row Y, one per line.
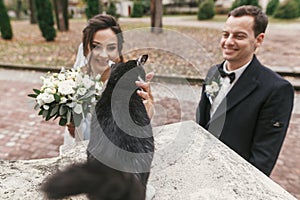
column 78, row 78
column 47, row 98
column 61, row 77
column 47, row 82
column 50, row 90
column 78, row 109
column 39, row 99
column 66, row 87
column 71, row 74
column 87, row 82
column 43, row 98
column 208, row 88
column 214, row 87
column 46, row 107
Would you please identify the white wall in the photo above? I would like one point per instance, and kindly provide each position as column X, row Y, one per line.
column 123, row 8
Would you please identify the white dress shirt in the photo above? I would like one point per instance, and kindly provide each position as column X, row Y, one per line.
column 226, row 85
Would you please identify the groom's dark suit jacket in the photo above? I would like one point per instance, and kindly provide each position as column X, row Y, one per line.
column 254, row 117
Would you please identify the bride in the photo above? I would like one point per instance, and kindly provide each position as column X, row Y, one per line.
column 102, row 42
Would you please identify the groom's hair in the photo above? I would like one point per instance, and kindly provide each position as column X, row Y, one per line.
column 260, row 18
column 101, row 22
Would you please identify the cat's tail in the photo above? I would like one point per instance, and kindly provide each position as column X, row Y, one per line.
column 96, row 180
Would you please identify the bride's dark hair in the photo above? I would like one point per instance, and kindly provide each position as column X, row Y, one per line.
column 100, row 22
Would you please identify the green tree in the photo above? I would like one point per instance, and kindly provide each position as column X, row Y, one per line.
column 146, row 5
column 238, row 3
column 298, row 2
column 206, row 10
column 287, row 10
column 93, row 8
column 5, row 27
column 112, row 9
column 45, row 19
column 138, row 9
column 271, row 7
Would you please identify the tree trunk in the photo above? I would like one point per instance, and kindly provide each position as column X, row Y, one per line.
column 61, row 14
column 33, row 19
column 156, row 16
column 19, row 9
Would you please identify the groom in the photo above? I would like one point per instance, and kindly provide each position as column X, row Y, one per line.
column 243, row 103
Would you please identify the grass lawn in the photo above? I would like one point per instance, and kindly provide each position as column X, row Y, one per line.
column 28, row 47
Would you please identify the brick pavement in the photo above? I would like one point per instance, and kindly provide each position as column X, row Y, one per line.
column 25, row 135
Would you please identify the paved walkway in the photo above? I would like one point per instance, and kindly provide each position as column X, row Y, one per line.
column 25, row 135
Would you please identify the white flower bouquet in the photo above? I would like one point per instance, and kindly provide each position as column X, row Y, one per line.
column 68, row 95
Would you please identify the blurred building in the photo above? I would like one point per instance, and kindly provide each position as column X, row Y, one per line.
column 124, row 8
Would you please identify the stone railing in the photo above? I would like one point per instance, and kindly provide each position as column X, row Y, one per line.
column 189, row 163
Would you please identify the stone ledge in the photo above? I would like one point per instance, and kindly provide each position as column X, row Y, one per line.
column 291, row 73
column 189, row 163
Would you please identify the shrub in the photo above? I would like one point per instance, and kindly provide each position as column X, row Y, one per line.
column 138, row 9
column 5, row 27
column 271, row 7
column 45, row 19
column 287, row 10
column 93, row 8
column 206, row 10
column 112, row 9
column 298, row 2
column 238, row 3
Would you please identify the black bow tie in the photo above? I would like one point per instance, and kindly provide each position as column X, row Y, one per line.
column 223, row 74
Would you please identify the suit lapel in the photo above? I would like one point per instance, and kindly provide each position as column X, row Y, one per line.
column 242, row 88
column 205, row 105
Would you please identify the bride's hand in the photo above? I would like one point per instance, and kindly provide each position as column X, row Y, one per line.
column 146, row 94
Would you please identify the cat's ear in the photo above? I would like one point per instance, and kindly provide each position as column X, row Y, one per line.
column 142, row 60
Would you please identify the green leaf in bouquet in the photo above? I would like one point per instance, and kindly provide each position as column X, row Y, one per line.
column 62, row 121
column 69, row 116
column 48, row 116
column 62, row 110
column 32, row 95
column 77, row 119
column 54, row 110
column 87, row 95
column 86, row 109
column 36, row 106
column 36, row 91
column 45, row 113
column 41, row 112
column 57, row 98
column 56, row 116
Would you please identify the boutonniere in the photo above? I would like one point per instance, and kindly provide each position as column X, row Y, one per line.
column 212, row 88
